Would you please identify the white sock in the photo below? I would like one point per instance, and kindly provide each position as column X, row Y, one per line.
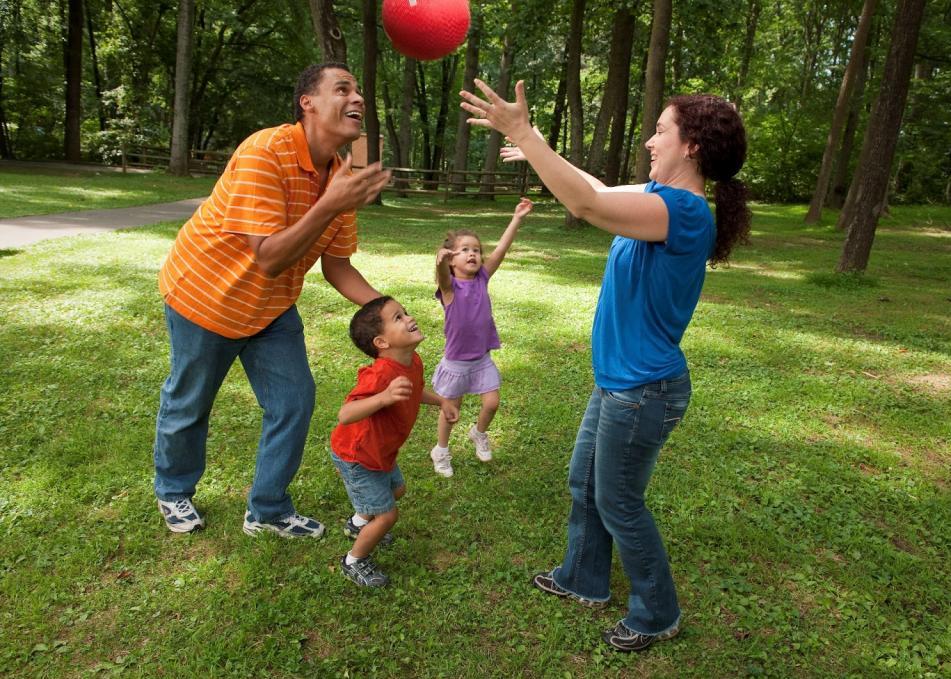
column 439, row 449
column 359, row 521
column 351, row 559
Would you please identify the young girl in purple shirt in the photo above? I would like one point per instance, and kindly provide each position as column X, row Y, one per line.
column 467, row 367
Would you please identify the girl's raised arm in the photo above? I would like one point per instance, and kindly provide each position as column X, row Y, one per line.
column 494, row 261
column 443, row 275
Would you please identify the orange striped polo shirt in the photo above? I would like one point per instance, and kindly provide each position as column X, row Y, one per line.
column 210, row 276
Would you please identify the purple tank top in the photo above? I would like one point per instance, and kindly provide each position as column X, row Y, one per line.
column 469, row 329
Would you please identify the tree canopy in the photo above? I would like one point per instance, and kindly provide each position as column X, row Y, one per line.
column 781, row 63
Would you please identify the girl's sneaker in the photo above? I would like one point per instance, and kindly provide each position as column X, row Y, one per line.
column 442, row 461
column 482, row 445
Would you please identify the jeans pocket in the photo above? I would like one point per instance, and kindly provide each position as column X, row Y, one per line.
column 628, row 398
column 673, row 413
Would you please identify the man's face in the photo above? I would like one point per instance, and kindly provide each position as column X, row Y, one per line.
column 337, row 105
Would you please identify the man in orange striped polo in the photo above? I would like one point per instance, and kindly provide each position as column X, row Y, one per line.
column 230, row 283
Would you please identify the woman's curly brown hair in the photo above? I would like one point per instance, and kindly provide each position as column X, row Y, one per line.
column 714, row 126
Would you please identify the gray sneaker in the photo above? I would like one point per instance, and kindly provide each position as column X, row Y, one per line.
column 622, row 638
column 181, row 516
column 546, row 583
column 364, row 572
column 483, row 447
column 293, row 526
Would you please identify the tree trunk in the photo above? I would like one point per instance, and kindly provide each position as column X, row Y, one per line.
column 840, row 183
column 371, row 118
column 752, row 19
column 839, row 116
column 573, row 86
column 73, row 58
column 6, row 144
column 96, row 75
column 449, row 66
column 494, row 142
column 460, row 156
column 178, row 162
column 653, row 84
column 330, row 40
column 558, row 114
column 867, row 195
column 405, row 138
column 614, row 100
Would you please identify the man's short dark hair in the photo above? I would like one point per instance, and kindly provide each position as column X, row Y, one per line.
column 308, row 81
column 367, row 324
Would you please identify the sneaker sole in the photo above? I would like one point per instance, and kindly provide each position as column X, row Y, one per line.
column 182, row 529
column 257, row 530
column 561, row 594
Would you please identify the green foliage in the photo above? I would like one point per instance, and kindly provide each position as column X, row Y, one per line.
column 804, row 499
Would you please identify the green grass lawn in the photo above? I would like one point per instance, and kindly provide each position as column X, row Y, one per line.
column 33, row 191
column 804, row 500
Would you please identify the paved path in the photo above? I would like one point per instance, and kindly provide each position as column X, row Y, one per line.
column 21, row 231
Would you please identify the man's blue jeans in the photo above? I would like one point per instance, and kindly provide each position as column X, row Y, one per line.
column 275, row 361
column 617, row 446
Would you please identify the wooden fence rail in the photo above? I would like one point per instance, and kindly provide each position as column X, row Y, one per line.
column 446, row 182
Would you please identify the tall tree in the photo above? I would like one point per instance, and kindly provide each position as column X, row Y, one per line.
column 840, row 180
column 96, row 74
column 178, row 161
column 573, row 91
column 869, row 189
column 460, row 156
column 404, row 138
column 614, row 97
column 494, row 143
column 753, row 9
column 371, row 118
column 333, row 46
column 653, row 83
column 73, row 58
column 841, row 112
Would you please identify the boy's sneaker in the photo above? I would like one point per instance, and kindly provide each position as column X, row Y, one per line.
column 293, row 526
column 181, row 515
column 442, row 461
column 482, row 445
column 546, row 583
column 352, row 530
column 364, row 572
column 621, row 638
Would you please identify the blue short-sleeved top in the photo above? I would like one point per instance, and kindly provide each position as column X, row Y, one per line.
column 648, row 295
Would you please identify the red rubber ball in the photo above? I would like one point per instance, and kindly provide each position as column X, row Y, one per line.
column 426, row 29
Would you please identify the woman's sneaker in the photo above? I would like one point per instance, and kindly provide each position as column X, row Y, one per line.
column 482, row 445
column 442, row 461
column 364, row 572
column 546, row 583
column 352, row 530
column 293, row 526
column 621, row 638
column 181, row 516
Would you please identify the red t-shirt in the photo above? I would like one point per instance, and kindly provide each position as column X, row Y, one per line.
column 374, row 441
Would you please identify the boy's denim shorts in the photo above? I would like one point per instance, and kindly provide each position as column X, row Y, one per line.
column 371, row 492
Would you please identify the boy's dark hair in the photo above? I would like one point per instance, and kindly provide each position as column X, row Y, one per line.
column 367, row 324
column 309, row 80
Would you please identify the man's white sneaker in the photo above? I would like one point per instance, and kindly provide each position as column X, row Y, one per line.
column 293, row 526
column 482, row 445
column 442, row 461
column 180, row 515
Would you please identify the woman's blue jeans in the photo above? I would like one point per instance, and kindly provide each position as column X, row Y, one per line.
column 275, row 361
column 615, row 452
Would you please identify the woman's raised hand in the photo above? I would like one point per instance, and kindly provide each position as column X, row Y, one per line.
column 509, row 118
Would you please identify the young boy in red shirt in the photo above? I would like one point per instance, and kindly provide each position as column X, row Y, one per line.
column 375, row 419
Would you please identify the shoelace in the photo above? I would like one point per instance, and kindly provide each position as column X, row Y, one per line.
column 183, row 507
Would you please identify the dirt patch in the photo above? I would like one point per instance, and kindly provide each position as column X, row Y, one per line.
column 939, row 383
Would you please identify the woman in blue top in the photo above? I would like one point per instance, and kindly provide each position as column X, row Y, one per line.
column 664, row 237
